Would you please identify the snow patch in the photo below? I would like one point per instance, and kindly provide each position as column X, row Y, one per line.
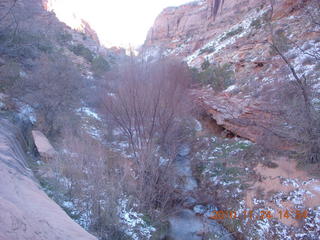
column 231, row 88
column 89, row 112
column 27, row 112
column 136, row 227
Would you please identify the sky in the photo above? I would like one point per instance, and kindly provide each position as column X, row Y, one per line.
column 117, row 22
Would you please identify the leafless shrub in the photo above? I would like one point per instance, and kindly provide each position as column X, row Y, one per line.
column 93, row 179
column 53, row 90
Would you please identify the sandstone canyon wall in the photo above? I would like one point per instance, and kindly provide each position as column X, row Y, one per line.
column 26, row 211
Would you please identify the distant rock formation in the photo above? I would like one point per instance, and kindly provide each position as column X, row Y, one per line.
column 26, row 211
column 79, row 24
column 187, row 28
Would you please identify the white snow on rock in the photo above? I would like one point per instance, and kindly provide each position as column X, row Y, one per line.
column 289, row 181
column 26, row 112
column 298, row 196
column 231, row 88
column 89, row 112
column 94, row 132
column 221, row 41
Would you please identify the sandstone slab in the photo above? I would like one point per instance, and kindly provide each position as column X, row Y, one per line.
column 27, row 213
column 43, row 145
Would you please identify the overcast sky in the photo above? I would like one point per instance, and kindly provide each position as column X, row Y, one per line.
column 117, row 22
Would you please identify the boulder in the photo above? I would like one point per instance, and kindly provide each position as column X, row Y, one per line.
column 43, row 145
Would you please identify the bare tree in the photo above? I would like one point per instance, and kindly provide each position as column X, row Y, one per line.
column 149, row 105
column 149, row 100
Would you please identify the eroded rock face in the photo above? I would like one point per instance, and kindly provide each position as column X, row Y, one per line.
column 26, row 211
column 245, row 117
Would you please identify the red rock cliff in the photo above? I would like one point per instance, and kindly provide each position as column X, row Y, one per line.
column 26, row 211
column 239, row 36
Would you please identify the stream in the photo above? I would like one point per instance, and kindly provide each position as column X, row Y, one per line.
column 193, row 224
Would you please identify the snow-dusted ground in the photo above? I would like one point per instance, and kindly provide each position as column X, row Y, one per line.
column 233, row 180
column 134, row 225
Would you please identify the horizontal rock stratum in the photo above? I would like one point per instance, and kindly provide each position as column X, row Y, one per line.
column 26, row 212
